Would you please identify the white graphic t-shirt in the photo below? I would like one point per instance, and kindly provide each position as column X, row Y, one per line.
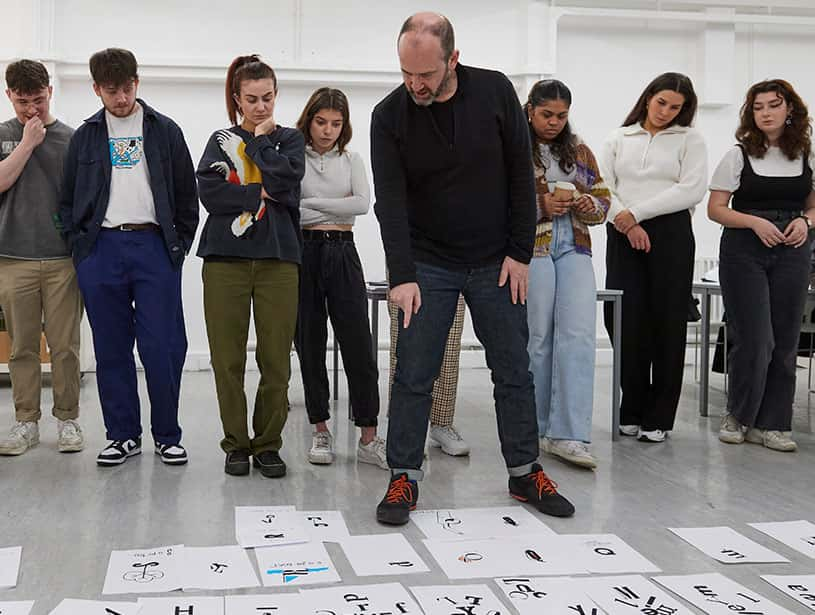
column 131, row 200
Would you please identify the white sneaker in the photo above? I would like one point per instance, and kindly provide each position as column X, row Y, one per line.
column 573, row 451
column 375, row 452
column 655, row 435
column 449, row 440
column 731, row 431
column 71, row 439
column 772, row 439
column 23, row 435
column 322, row 448
column 629, row 430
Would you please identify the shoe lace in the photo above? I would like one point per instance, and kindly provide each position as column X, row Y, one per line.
column 18, row 430
column 322, row 439
column 69, row 429
column 544, row 484
column 400, row 490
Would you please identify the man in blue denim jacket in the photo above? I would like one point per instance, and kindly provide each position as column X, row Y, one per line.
column 129, row 207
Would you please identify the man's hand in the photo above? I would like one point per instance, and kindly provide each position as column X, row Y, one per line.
column 33, row 132
column 518, row 275
column 638, row 238
column 266, row 127
column 624, row 221
column 409, row 299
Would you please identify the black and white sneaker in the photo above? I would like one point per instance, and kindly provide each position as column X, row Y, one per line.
column 172, row 454
column 117, row 452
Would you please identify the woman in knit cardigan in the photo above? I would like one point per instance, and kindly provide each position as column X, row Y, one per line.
column 561, row 300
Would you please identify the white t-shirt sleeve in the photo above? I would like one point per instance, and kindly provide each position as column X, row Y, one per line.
column 727, row 176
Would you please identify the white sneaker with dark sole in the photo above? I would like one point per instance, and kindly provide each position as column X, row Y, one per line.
column 118, row 451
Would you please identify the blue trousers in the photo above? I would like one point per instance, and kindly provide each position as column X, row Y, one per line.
column 132, row 293
column 502, row 329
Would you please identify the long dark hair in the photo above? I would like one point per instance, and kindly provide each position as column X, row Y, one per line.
column 564, row 145
column 326, row 98
column 675, row 82
column 796, row 140
column 244, row 68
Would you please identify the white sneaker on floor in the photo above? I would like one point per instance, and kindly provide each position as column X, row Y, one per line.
column 731, row 431
column 654, row 435
column 23, row 435
column 71, row 439
column 629, row 430
column 573, row 451
column 449, row 440
column 375, row 452
column 322, row 448
column 772, row 439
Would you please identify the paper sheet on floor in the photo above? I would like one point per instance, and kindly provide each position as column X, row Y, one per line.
column 10, row 566
column 70, row 606
column 265, row 526
column 715, row 594
column 726, row 545
column 225, row 567
column 381, row 598
column 181, row 605
column 145, row 571
column 382, row 554
column 632, row 594
column 533, row 555
column 469, row 599
column 478, row 523
column 274, row 604
column 607, row 554
column 800, row 587
column 325, row 525
column 16, row 608
column 798, row 535
column 550, row 595
column 292, row 565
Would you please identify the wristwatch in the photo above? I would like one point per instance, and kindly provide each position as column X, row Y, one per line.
column 807, row 220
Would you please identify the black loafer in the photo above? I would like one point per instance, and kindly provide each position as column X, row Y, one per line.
column 270, row 464
column 237, row 463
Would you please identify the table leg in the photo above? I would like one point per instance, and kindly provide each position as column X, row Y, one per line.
column 616, row 367
column 704, row 359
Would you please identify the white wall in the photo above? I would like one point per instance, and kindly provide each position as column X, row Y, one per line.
column 606, row 58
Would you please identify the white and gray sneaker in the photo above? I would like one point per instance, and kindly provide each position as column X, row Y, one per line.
column 322, row 448
column 573, row 451
column 449, row 440
column 71, row 439
column 117, row 452
column 652, row 435
column 375, row 452
column 731, row 431
column 23, row 435
column 772, row 439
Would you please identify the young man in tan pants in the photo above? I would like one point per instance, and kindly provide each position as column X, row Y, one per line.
column 37, row 278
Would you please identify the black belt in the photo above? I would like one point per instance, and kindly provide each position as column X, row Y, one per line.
column 318, row 235
column 774, row 215
column 147, row 226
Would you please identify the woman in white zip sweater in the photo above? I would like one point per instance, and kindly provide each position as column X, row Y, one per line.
column 334, row 191
column 656, row 168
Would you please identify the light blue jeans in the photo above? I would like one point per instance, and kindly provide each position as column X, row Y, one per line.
column 561, row 310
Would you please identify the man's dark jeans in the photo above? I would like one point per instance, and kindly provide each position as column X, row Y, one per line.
column 502, row 329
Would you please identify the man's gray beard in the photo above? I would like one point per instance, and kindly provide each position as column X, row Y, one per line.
column 445, row 82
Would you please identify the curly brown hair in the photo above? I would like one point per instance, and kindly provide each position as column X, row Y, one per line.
column 795, row 141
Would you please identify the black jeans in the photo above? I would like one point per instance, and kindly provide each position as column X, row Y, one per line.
column 332, row 285
column 764, row 292
column 656, row 286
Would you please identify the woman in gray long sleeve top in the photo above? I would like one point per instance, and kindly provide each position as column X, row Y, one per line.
column 334, row 191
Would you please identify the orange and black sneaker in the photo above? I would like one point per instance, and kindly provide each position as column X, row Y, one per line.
column 540, row 491
column 401, row 498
